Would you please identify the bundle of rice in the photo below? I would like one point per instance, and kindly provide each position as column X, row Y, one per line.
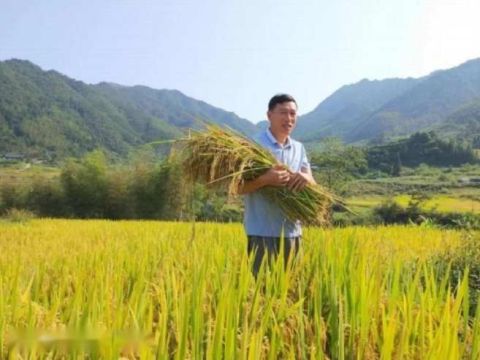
column 224, row 158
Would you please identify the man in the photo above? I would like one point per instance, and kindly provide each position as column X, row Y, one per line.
column 264, row 222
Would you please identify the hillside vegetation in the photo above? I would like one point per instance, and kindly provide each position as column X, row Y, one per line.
column 47, row 115
column 383, row 109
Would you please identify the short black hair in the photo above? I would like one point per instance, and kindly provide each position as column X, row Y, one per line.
column 279, row 99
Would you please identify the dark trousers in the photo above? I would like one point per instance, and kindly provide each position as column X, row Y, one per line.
column 263, row 246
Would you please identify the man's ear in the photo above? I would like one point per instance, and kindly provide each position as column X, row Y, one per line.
column 268, row 115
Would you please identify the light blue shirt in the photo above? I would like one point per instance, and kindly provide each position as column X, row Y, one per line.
column 262, row 217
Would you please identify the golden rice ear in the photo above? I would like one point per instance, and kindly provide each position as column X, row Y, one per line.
column 224, row 158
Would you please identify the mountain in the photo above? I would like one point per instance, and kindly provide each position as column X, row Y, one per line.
column 45, row 111
column 262, row 125
column 339, row 114
column 463, row 124
column 428, row 103
column 392, row 107
column 173, row 107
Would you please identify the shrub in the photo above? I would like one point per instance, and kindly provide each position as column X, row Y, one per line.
column 85, row 185
column 119, row 203
column 47, row 198
column 18, row 215
column 390, row 212
column 13, row 196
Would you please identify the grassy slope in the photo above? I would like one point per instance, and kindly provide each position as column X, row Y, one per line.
column 23, row 172
column 441, row 188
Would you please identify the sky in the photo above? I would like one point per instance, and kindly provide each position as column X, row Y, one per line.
column 237, row 54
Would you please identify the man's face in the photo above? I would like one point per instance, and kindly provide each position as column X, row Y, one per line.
column 283, row 118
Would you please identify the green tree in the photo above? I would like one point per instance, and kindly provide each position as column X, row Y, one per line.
column 85, row 185
column 336, row 164
column 12, row 196
column 476, row 142
column 397, row 166
column 174, row 206
column 119, row 202
column 47, row 197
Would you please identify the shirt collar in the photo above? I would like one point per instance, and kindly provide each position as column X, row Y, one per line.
column 272, row 138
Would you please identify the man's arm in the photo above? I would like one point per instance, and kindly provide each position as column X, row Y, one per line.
column 299, row 180
column 276, row 176
column 308, row 172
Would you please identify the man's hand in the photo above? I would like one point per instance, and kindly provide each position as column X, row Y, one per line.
column 276, row 176
column 299, row 180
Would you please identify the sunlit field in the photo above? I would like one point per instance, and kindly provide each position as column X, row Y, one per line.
column 440, row 203
column 445, row 204
column 148, row 290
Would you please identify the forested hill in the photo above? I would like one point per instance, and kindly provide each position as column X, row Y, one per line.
column 339, row 114
column 420, row 148
column 46, row 112
column 388, row 108
column 463, row 124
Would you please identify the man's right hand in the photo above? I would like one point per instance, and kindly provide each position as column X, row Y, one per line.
column 276, row 176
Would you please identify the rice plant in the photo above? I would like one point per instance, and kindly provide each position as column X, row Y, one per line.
column 168, row 290
column 221, row 157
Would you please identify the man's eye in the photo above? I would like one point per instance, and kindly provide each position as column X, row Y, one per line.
column 286, row 113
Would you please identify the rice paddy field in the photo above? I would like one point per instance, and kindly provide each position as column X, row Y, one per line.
column 165, row 290
column 438, row 202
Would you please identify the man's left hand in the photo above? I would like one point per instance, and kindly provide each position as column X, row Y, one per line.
column 298, row 181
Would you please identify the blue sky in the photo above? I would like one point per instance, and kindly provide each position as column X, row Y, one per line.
column 237, row 54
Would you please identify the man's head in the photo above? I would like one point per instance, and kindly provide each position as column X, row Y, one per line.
column 282, row 114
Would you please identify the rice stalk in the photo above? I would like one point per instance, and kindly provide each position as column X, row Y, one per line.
column 226, row 159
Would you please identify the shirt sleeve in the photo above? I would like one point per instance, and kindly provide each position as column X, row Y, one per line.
column 305, row 164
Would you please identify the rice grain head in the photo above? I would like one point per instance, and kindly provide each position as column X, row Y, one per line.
column 225, row 159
